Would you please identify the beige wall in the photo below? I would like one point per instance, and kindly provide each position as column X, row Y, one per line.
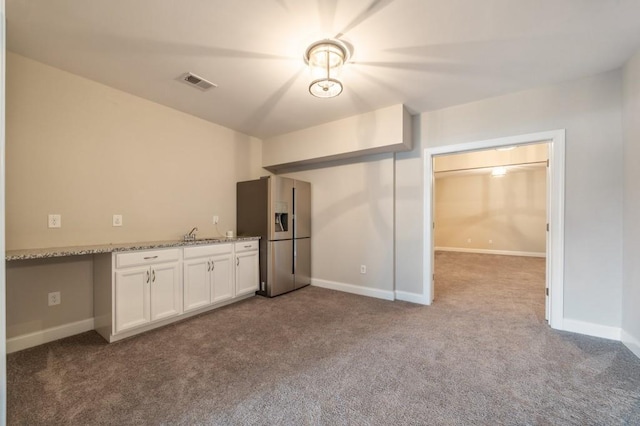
column 352, row 222
column 631, row 266
column 87, row 151
column 478, row 211
column 383, row 130
column 409, row 211
column 29, row 282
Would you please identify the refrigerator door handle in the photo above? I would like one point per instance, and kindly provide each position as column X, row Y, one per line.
column 293, row 264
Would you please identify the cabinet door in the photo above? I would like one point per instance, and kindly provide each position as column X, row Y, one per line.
column 247, row 276
column 197, row 285
column 166, row 298
column 131, row 299
column 222, row 278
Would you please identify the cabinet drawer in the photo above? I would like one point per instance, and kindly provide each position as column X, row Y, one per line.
column 208, row 250
column 136, row 258
column 246, row 246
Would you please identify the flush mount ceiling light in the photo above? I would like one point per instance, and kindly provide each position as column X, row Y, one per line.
column 498, row 172
column 326, row 59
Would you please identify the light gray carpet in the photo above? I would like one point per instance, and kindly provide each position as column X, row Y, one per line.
column 481, row 355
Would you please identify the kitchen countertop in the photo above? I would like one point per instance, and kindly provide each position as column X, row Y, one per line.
column 43, row 253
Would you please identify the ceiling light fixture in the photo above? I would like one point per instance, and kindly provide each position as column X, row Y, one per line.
column 326, row 59
column 498, row 172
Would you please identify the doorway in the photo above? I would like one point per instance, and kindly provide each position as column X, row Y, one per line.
column 488, row 205
column 555, row 211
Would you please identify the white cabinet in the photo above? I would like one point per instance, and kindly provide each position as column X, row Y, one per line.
column 208, row 275
column 197, row 283
column 132, row 305
column 143, row 294
column 166, row 291
column 137, row 291
column 247, row 267
column 222, row 277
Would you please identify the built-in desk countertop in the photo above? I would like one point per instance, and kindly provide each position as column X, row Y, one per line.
column 43, row 253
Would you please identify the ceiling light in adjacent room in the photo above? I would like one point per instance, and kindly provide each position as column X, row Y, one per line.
column 326, row 59
column 506, row 148
column 498, row 172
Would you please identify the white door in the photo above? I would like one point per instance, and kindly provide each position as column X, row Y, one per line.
column 132, row 306
column 222, row 278
column 247, row 279
column 197, row 286
column 166, row 300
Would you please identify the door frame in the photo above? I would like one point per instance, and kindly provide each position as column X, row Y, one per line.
column 555, row 212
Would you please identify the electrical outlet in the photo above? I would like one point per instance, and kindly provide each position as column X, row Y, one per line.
column 55, row 221
column 54, row 298
column 468, row 240
column 117, row 220
column 363, row 269
column 490, row 241
column 216, row 219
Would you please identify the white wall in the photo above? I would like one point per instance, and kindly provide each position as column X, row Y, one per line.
column 352, row 224
column 590, row 111
column 631, row 247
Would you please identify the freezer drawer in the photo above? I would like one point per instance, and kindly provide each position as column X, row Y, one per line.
column 280, row 267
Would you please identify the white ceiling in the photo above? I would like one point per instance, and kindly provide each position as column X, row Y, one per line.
column 426, row 54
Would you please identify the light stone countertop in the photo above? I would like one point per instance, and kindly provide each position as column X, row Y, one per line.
column 43, row 253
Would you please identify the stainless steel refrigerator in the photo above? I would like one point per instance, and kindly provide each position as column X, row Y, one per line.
column 278, row 210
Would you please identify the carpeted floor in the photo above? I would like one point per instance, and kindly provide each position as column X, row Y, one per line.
column 482, row 354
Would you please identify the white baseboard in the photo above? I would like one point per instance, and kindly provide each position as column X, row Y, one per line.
column 355, row 289
column 487, row 251
column 631, row 342
column 591, row 329
column 405, row 296
column 25, row 341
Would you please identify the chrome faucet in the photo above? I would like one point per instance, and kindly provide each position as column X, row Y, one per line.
column 191, row 236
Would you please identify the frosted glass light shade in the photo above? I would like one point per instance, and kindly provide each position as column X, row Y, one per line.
column 325, row 59
column 325, row 88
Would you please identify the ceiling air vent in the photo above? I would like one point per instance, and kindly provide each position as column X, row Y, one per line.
column 196, row 81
